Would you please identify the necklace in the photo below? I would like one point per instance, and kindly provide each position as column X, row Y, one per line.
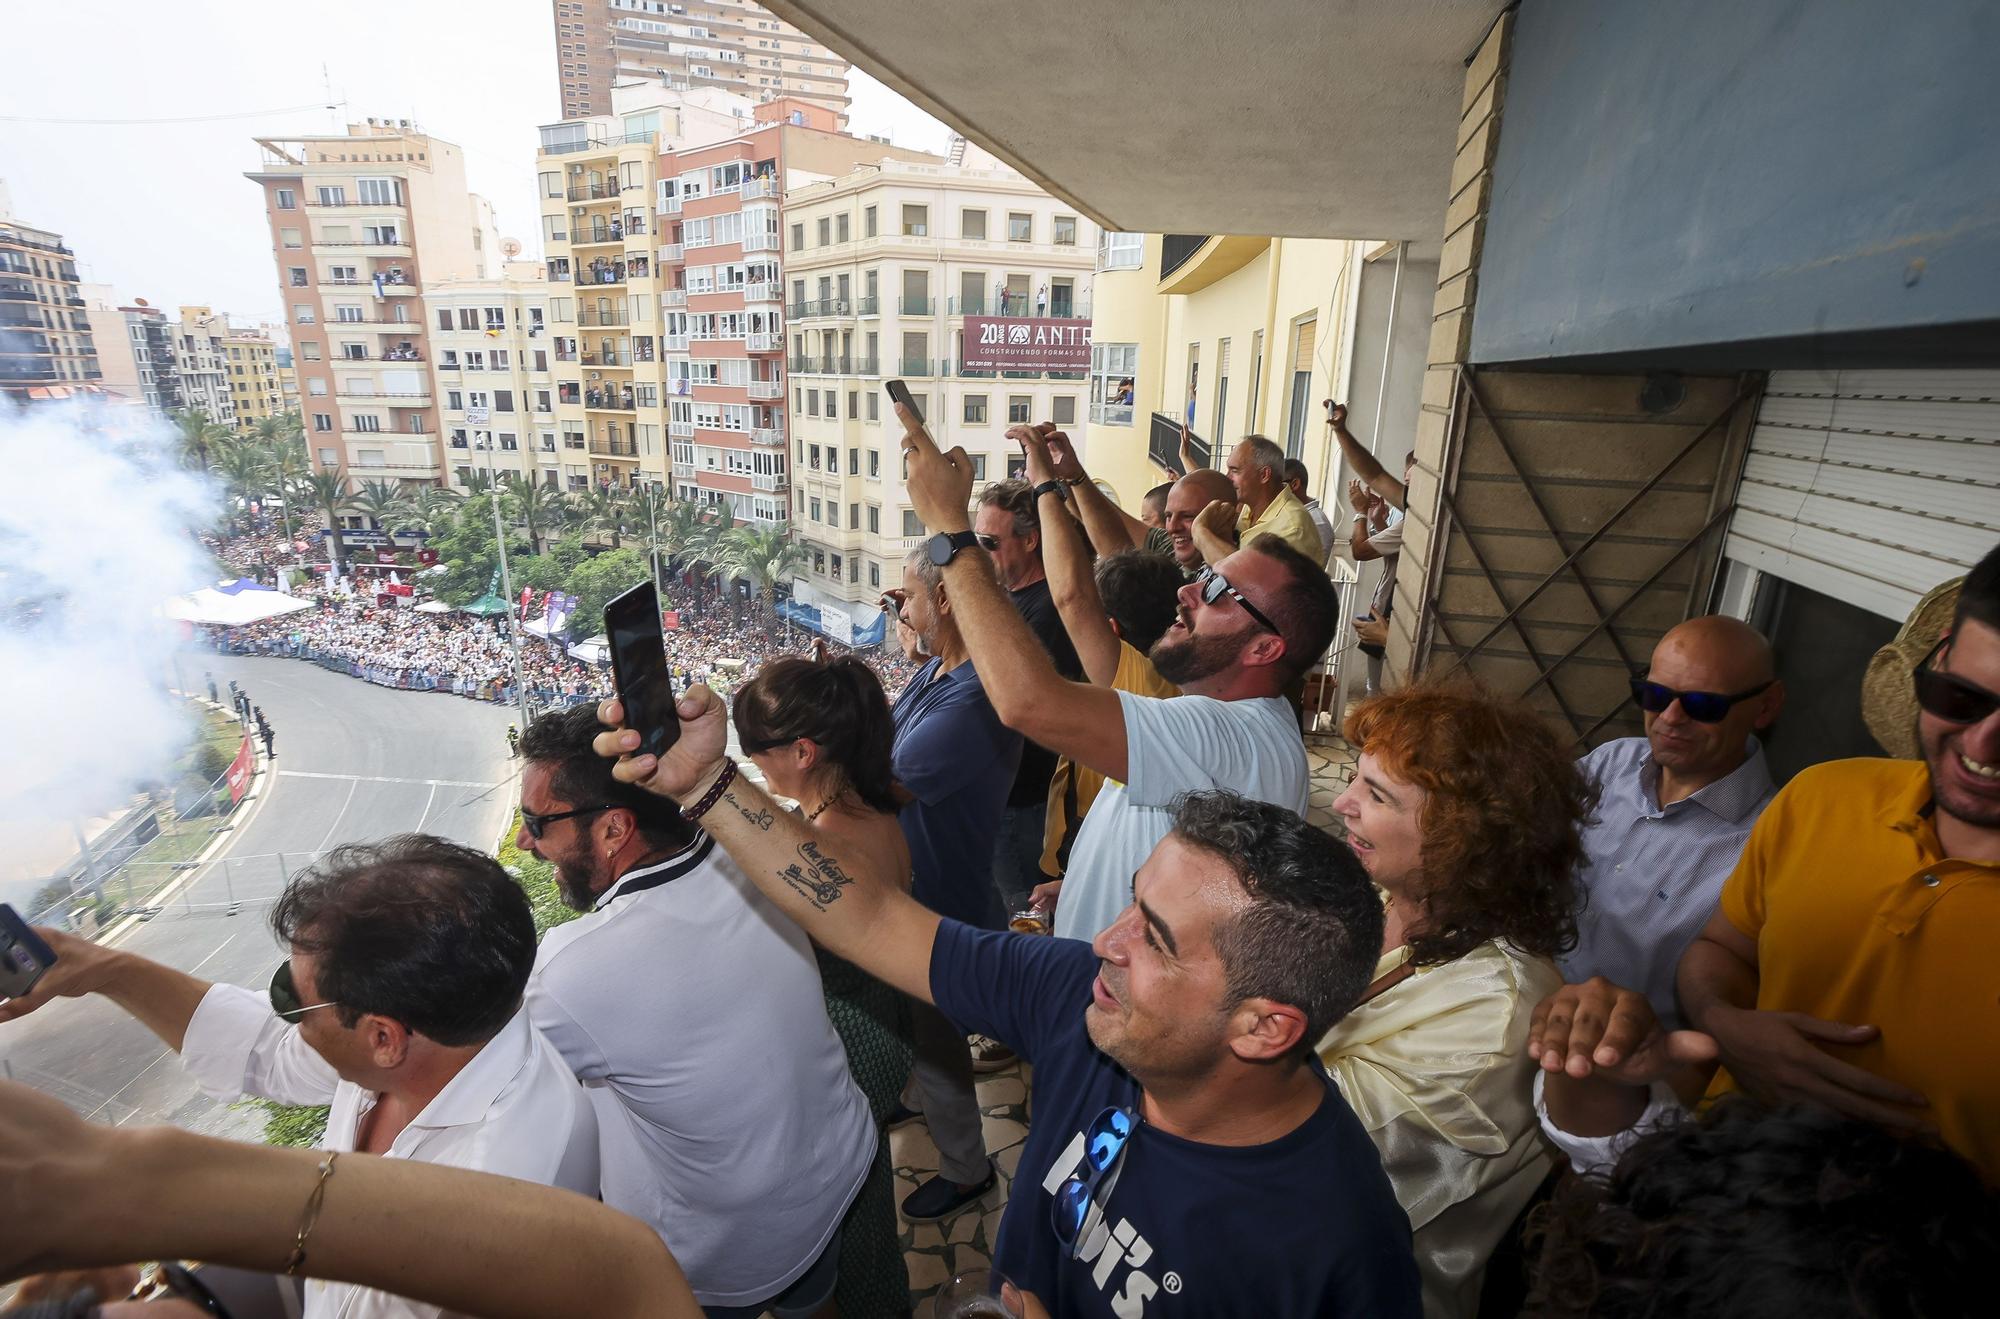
column 820, row 809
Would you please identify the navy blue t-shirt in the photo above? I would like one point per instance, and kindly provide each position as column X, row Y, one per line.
column 1305, row 1227
column 957, row 759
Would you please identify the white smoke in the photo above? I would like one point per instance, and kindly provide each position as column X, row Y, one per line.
column 95, row 523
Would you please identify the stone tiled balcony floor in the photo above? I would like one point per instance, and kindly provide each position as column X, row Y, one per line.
column 935, row 1252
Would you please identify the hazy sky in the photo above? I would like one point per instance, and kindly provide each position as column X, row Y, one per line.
column 162, row 211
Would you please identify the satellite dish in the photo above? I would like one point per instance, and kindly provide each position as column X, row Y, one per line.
column 510, row 248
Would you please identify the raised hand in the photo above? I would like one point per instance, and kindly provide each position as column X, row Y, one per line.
column 1336, row 414
column 1035, row 448
column 1359, row 496
column 689, row 763
column 81, row 967
column 1219, row 519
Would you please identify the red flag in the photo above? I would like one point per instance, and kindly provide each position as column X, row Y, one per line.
column 527, row 598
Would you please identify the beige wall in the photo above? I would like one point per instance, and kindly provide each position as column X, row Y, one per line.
column 113, row 342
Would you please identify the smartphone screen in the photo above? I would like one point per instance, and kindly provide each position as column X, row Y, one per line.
column 23, row 955
column 900, row 393
column 639, row 668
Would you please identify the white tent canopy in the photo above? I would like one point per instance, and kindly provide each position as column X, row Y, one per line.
column 593, row 650
column 209, row 605
column 433, row 607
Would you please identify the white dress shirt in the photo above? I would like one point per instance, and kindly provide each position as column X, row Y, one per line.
column 690, row 1007
column 514, row 1110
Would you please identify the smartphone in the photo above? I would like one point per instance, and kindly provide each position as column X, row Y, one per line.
column 639, row 668
column 900, row 393
column 23, row 955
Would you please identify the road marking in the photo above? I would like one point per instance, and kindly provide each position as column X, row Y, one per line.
column 337, row 817
column 377, row 778
column 428, row 803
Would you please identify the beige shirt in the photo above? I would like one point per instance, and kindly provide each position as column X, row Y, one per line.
column 1436, row 1067
column 1286, row 518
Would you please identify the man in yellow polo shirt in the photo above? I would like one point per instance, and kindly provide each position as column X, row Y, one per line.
column 1855, row 961
column 1264, row 503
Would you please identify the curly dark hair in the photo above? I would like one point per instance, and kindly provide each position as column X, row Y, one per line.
column 1505, row 802
column 840, row 705
column 1754, row 1212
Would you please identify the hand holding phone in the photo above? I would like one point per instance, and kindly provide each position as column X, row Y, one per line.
column 639, row 668
column 24, row 957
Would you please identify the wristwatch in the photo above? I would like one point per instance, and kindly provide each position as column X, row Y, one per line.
column 944, row 546
column 1052, row 487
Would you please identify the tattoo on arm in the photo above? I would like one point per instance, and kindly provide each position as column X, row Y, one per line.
column 763, row 819
column 820, row 879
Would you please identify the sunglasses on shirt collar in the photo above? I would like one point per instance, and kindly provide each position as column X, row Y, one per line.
column 1949, row 697
column 1702, row 707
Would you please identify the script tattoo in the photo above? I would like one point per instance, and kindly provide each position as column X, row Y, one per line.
column 763, row 819
column 820, row 880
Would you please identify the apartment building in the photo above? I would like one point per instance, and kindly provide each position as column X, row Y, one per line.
column 199, row 356
column 250, row 363
column 495, row 365
column 45, row 335
column 882, row 267
column 724, row 309
column 115, row 348
column 155, row 352
column 727, row 45
column 360, row 223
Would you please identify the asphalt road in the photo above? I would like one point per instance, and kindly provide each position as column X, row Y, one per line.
column 354, row 762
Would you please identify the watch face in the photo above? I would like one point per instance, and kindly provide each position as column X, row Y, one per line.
column 941, row 549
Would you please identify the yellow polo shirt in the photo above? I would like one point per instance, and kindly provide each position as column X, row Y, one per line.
column 1286, row 518
column 1860, row 918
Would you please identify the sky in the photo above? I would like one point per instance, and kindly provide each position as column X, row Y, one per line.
column 161, row 210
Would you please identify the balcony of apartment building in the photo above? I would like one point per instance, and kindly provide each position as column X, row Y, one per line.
column 672, row 253
column 823, row 307
column 382, row 245
column 763, row 341
column 680, row 430
column 912, row 306
column 917, row 366
column 764, row 185
column 365, row 393
column 18, row 290
column 600, row 317
column 601, row 271
column 763, row 290
column 765, row 389
column 674, row 298
column 668, row 205
column 394, row 353
column 1055, row 307
column 618, row 357
column 592, row 191
column 767, row 436
column 599, row 232
column 609, row 400
column 674, row 343
column 613, row 448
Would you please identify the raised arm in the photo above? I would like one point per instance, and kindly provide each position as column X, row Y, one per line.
column 1072, row 719
column 867, row 918
column 82, row 1195
column 1109, row 527
column 1190, row 460
column 163, row 999
column 1066, row 561
column 1373, row 475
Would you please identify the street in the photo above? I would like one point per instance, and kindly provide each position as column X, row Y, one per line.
column 354, row 762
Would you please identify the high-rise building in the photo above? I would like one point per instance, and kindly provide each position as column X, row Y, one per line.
column 250, row 361
column 204, row 378
column 882, row 267
column 731, row 45
column 46, row 348
column 114, row 342
column 361, row 222
column 494, row 355
column 154, row 339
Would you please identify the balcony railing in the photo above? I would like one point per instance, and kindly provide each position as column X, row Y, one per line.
column 668, row 206
column 767, row 480
column 760, row 187
column 916, row 306
column 599, row 275
column 762, row 290
column 590, row 192
column 762, row 342
column 673, row 343
column 766, row 435
column 680, row 430
column 823, row 307
column 389, row 435
column 593, row 316
column 917, row 366
column 670, row 253
column 395, row 398
column 614, row 448
column 603, row 233
column 760, row 242
column 766, row 389
column 674, row 298
column 598, row 401
column 868, row 306
column 607, row 359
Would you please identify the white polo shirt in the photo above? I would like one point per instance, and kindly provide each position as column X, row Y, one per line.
column 690, row 1007
column 515, row 1110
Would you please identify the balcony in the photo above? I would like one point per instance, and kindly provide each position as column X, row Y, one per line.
column 674, row 298
column 673, row 343
column 760, row 242
column 393, row 355
column 763, row 342
column 917, row 366
column 668, row 206
column 762, row 290
column 596, row 317
column 823, row 307
column 670, row 253
column 605, row 401
column 598, row 234
column 396, row 399
column 591, row 192
column 389, row 435
column 614, row 448
column 916, row 306
column 680, row 430
column 613, row 358
column 766, row 389
column 766, row 480
column 760, row 187
column 868, row 306
column 595, row 276
column 394, row 246
column 767, row 435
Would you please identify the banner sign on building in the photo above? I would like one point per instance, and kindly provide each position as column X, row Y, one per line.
column 1015, row 343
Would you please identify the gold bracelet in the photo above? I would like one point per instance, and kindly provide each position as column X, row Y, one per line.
column 313, row 1203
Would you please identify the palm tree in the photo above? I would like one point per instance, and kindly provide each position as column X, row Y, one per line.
column 762, row 556
column 383, row 503
column 536, row 507
column 432, row 508
column 199, row 435
column 688, row 530
column 327, row 491
column 478, row 484
column 602, row 508
column 245, row 471
column 283, row 439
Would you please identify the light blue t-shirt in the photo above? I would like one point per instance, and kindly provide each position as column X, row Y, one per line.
column 1179, row 744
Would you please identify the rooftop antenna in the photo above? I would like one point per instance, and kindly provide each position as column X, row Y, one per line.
column 326, row 83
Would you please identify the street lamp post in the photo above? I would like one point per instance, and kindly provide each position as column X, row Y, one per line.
column 480, row 417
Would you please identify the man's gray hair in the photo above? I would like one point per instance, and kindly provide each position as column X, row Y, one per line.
column 1265, row 453
column 919, row 562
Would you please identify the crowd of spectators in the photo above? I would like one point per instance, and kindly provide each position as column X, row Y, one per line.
column 1276, row 1072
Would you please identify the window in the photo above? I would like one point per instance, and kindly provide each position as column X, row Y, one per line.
column 1063, row 410
column 1020, row 227
column 289, row 237
column 1114, row 368
column 853, row 516
column 1120, row 251
column 875, row 517
column 972, row 224
column 322, row 421
column 316, row 387
column 874, row 572
column 1065, row 231
column 840, row 228
column 380, row 192
column 309, row 352
column 1221, row 390
column 874, row 413
column 853, row 405
column 552, row 185
column 816, row 509
column 975, row 409
column 853, row 463
column 868, row 222
column 978, row 467
column 332, row 196
column 799, row 237
column 1302, row 365
column 503, row 400
column 832, row 513
column 912, row 524
column 916, row 221
column 444, row 318
column 1020, row 408
column 298, row 275
column 287, row 200
column 302, row 314
column 823, row 230
column 834, row 566
column 874, row 461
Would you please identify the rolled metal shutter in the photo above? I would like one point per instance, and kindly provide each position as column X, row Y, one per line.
column 1871, row 486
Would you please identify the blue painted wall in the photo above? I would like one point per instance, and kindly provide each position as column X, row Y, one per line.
column 1685, row 172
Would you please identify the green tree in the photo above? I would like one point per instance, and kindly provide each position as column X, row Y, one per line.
column 432, row 509
column 478, row 484
column 762, row 556
column 283, row 440
column 688, row 531
column 568, row 552
column 382, row 502
column 327, row 493
column 469, row 552
column 540, row 571
column 198, row 436
column 244, row 467
column 594, row 583
column 603, row 509
column 536, row 508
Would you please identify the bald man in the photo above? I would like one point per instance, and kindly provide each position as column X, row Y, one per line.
column 1190, row 495
column 1675, row 806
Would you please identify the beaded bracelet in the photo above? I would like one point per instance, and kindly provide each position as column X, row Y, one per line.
column 713, row 795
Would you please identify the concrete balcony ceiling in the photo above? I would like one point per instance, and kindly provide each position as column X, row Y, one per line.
column 1298, row 118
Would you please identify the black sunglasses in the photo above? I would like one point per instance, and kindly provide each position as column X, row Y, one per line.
column 1214, row 586
column 990, row 544
column 535, row 823
column 285, row 995
column 1702, row 707
column 1949, row 697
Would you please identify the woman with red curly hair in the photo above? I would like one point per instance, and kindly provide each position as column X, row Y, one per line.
column 1465, row 811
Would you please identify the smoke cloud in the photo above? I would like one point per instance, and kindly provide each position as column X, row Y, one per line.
column 95, row 533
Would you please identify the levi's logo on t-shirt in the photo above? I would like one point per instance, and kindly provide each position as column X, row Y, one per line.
column 1106, row 1248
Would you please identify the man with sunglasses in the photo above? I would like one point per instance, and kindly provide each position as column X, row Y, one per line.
column 727, row 1116
column 400, row 1006
column 1674, row 805
column 1851, row 963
